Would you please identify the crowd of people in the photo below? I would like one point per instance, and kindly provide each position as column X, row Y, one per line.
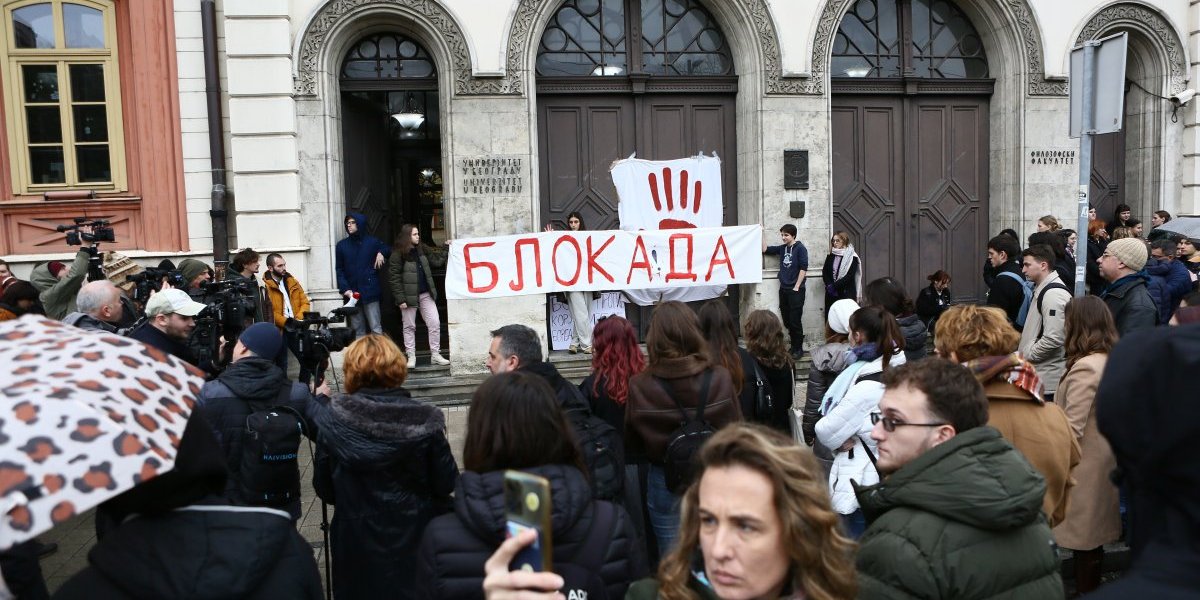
column 940, row 449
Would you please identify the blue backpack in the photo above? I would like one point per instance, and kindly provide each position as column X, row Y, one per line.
column 1027, row 290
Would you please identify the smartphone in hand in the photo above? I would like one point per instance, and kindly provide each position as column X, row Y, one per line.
column 527, row 506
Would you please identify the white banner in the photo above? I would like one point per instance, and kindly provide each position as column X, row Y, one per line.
column 562, row 261
column 668, row 194
column 562, row 324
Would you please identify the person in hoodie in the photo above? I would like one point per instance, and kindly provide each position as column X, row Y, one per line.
column 1144, row 409
column 1008, row 290
column 384, row 461
column 1127, row 295
column 889, row 294
column 250, row 383
column 358, row 258
column 515, row 423
column 58, row 283
column 177, row 538
column 1173, row 274
column 959, row 511
column 99, row 307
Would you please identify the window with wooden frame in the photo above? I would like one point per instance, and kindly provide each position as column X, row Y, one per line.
column 62, row 95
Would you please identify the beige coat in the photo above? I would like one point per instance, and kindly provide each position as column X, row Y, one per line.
column 1046, row 352
column 1041, row 433
column 1093, row 515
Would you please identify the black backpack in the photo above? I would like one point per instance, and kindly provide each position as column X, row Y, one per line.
column 581, row 576
column 602, row 447
column 679, row 461
column 269, row 471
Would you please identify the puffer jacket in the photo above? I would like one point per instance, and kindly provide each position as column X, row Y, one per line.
column 850, row 419
column 58, row 295
column 828, row 360
column 964, row 521
column 246, row 386
column 355, row 262
column 406, row 282
column 915, row 334
column 200, row 551
column 455, row 546
column 1169, row 283
column 384, row 461
column 295, row 295
column 1130, row 302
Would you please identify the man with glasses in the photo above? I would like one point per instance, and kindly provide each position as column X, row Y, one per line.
column 1127, row 294
column 959, row 514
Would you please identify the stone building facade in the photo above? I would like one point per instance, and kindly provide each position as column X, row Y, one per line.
column 949, row 127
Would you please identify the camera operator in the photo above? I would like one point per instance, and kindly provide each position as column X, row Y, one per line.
column 245, row 266
column 99, row 307
column 288, row 301
column 196, row 274
column 170, row 319
column 57, row 284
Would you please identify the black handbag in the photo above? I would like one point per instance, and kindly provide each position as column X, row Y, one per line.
column 764, row 403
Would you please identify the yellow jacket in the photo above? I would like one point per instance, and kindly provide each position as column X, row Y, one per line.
column 295, row 294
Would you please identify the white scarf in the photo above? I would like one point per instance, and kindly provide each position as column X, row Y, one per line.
column 848, row 255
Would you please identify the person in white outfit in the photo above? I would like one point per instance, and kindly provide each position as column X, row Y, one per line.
column 845, row 426
column 580, row 303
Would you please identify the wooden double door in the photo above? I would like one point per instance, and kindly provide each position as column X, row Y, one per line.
column 910, row 186
column 581, row 135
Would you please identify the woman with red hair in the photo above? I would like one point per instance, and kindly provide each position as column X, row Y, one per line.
column 616, row 358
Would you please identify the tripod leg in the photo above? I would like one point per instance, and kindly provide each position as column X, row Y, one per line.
column 325, row 533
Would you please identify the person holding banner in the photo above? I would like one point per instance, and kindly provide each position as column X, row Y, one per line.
column 580, row 302
column 793, row 266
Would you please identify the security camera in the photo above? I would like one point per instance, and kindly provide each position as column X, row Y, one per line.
column 1182, row 98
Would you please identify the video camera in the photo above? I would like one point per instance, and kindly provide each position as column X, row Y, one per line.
column 315, row 345
column 230, row 308
column 150, row 281
column 100, row 232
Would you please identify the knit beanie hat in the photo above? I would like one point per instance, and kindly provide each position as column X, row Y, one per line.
column 839, row 315
column 56, row 267
column 263, row 339
column 1131, row 251
column 191, row 269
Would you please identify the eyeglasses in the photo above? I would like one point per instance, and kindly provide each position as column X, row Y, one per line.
column 890, row 424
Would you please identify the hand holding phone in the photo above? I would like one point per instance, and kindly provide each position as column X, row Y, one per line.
column 527, row 508
column 501, row 584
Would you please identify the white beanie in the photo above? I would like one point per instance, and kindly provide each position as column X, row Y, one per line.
column 839, row 315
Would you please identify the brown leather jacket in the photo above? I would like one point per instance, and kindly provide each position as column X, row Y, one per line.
column 651, row 415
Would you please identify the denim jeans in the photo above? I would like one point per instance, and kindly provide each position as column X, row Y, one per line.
column 367, row 318
column 854, row 524
column 664, row 510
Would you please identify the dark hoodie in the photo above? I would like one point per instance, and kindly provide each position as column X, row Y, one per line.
column 1145, row 409
column 963, row 520
column 355, row 261
column 384, row 461
column 455, row 546
column 246, row 386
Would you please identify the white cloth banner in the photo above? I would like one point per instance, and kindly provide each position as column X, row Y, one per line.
column 565, row 261
column 562, row 324
column 669, row 194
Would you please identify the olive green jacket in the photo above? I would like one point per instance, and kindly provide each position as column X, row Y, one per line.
column 647, row 589
column 962, row 521
column 402, row 276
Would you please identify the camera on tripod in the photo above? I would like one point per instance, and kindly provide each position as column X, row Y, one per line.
column 100, row 232
column 229, row 309
column 317, row 340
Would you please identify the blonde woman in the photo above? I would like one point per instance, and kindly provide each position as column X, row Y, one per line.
column 842, row 272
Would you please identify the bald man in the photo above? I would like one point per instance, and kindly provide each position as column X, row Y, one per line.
column 99, row 307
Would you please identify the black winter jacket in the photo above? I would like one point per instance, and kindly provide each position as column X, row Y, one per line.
column 455, row 546
column 201, row 551
column 1092, row 277
column 384, row 461
column 932, row 303
column 226, row 402
column 915, row 334
column 602, row 406
column 1129, row 301
column 1006, row 292
column 151, row 336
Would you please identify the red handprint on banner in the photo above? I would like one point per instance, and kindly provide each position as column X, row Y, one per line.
column 681, row 215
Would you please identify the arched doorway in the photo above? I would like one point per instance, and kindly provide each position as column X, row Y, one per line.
column 391, row 149
column 619, row 77
column 910, row 137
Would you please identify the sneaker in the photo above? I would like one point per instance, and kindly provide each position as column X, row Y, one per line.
column 412, row 360
column 573, row 349
column 587, row 349
column 437, row 359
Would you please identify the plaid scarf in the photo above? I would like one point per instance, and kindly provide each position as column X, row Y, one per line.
column 1011, row 368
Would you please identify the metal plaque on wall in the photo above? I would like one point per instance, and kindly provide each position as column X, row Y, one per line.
column 795, row 169
column 491, row 175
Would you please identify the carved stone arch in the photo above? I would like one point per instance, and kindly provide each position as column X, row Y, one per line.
column 1017, row 11
column 1157, row 30
column 429, row 14
column 753, row 16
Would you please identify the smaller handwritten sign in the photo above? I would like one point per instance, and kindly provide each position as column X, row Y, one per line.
column 491, row 175
column 1052, row 157
column 561, row 323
